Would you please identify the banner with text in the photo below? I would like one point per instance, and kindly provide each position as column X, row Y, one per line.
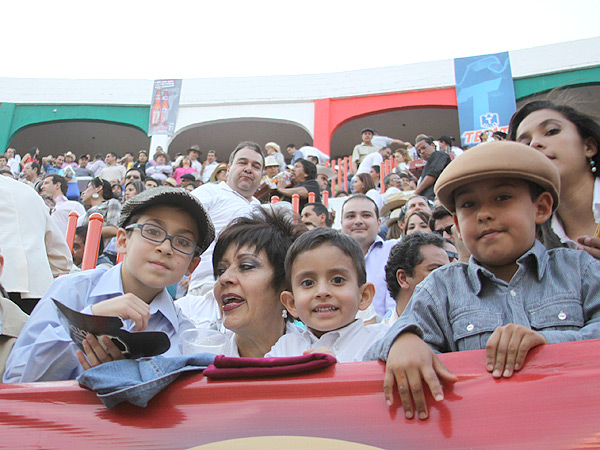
column 165, row 104
column 485, row 95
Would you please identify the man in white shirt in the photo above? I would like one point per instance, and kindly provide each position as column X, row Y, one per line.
column 34, row 249
column 13, row 161
column 308, row 150
column 374, row 159
column 194, row 155
column 56, row 186
column 97, row 165
column 113, row 171
column 209, row 165
column 384, row 141
column 31, row 174
column 223, row 202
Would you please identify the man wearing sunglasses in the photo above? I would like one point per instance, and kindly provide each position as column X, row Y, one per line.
column 441, row 222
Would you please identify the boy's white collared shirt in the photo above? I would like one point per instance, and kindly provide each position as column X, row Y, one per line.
column 349, row 343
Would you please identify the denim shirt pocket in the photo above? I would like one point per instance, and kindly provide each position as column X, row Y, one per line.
column 557, row 313
column 472, row 328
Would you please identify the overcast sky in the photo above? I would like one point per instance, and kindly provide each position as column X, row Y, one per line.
column 192, row 39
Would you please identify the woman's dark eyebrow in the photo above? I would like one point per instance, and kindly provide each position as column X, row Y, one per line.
column 542, row 125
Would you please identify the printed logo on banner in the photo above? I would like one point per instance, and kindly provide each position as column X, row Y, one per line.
column 485, row 95
column 165, row 105
column 490, row 120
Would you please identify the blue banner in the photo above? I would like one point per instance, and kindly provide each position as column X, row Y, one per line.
column 485, row 95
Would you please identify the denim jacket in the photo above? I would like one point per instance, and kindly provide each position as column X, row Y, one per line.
column 458, row 307
column 138, row 381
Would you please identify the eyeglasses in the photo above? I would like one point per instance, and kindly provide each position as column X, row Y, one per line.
column 441, row 231
column 159, row 235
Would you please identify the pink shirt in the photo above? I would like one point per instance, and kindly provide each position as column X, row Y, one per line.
column 182, row 171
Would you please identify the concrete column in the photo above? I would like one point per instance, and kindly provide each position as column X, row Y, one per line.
column 159, row 140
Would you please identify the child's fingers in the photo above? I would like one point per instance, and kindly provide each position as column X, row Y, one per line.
column 529, row 341
column 443, row 373
column 138, row 315
column 96, row 355
column 490, row 349
column 405, row 393
column 388, row 385
column 128, row 307
column 112, row 349
column 501, row 349
column 415, row 383
column 81, row 358
column 514, row 348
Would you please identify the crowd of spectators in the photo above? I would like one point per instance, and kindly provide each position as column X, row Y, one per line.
column 386, row 208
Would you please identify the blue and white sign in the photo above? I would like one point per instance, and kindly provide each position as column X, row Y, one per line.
column 485, row 95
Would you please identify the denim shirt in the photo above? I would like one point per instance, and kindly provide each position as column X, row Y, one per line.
column 458, row 307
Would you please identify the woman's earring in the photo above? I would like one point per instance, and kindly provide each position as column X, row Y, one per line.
column 95, row 195
column 284, row 313
column 593, row 164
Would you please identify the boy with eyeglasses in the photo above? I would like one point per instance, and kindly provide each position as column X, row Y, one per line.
column 162, row 233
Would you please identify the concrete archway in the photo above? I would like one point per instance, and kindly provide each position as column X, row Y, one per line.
column 404, row 124
column 224, row 135
column 80, row 136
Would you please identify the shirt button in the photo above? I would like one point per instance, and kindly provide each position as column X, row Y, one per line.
column 562, row 315
column 513, row 293
column 470, row 327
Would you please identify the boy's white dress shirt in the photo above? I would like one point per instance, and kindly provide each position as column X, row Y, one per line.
column 349, row 343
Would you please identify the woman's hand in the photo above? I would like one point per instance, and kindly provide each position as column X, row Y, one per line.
column 590, row 245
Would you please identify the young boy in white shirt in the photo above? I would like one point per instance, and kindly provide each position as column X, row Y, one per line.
column 327, row 275
column 162, row 233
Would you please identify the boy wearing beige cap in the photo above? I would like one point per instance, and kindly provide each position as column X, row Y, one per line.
column 512, row 296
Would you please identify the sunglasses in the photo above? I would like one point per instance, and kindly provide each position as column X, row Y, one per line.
column 441, row 231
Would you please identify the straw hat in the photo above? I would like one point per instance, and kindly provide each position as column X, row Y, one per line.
column 394, row 216
column 395, row 201
column 219, row 168
column 322, row 170
column 271, row 161
column 273, row 145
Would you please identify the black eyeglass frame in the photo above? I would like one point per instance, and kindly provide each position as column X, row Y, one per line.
column 170, row 237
